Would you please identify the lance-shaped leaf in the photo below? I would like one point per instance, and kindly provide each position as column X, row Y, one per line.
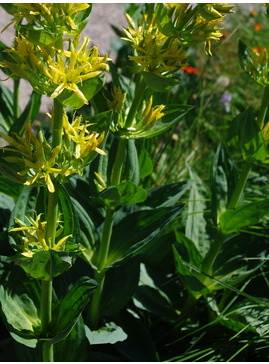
column 67, row 312
column 38, row 35
column 163, row 20
column 246, row 134
column 223, row 178
column 158, row 83
column 243, row 215
column 126, row 193
column 109, row 334
column 134, row 232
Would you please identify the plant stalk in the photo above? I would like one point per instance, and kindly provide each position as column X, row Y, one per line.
column 52, row 214
column 215, row 248
column 16, row 107
column 94, row 310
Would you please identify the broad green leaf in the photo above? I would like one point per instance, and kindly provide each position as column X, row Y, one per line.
column 145, row 163
column 67, row 313
column 119, row 286
column 153, row 298
column 134, row 232
column 173, row 115
column 163, row 20
column 70, row 219
column 196, row 224
column 89, row 88
column 243, row 215
column 19, row 297
column 101, row 121
column 47, row 264
column 158, row 83
column 10, row 187
column 6, row 206
column 166, row 196
column 38, row 35
column 246, row 134
column 109, row 334
column 74, row 347
column 223, row 178
column 30, row 112
column 130, row 169
column 247, row 316
column 126, row 193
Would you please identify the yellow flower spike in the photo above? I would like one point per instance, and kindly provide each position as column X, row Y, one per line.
column 118, row 99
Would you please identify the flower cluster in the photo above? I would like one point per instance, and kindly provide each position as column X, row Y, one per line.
column 50, row 70
column 33, row 237
column 154, row 51
column 43, row 164
column 197, row 24
column 59, row 17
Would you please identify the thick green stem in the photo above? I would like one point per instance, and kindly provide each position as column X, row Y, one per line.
column 94, row 310
column 16, row 107
column 216, row 246
column 52, row 215
column 139, row 94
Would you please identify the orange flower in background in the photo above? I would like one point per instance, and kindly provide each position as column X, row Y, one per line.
column 253, row 13
column 257, row 26
column 256, row 49
column 190, row 70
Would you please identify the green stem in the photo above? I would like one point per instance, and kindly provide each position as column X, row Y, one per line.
column 52, row 215
column 94, row 310
column 139, row 94
column 16, row 108
column 215, row 248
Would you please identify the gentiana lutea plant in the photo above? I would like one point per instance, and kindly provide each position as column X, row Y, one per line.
column 82, row 216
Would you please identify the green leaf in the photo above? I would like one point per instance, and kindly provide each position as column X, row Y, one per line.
column 38, row 35
column 130, row 169
column 173, row 115
column 196, row 224
column 101, row 121
column 163, row 20
column 109, row 334
column 71, row 222
column 244, row 215
column 74, row 347
column 89, row 88
column 134, row 232
column 166, row 196
column 158, row 83
column 19, row 297
column 10, row 187
column 246, row 135
column 47, row 264
column 247, row 316
column 223, row 178
column 126, row 193
column 145, row 163
column 119, row 286
column 67, row 313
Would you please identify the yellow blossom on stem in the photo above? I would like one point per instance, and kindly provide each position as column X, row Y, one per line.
column 33, row 235
column 39, row 159
column 154, row 52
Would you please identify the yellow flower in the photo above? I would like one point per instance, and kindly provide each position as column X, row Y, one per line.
column 33, row 236
column 154, row 52
column 84, row 140
column 57, row 17
column 258, row 66
column 149, row 115
column 39, row 159
column 73, row 67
